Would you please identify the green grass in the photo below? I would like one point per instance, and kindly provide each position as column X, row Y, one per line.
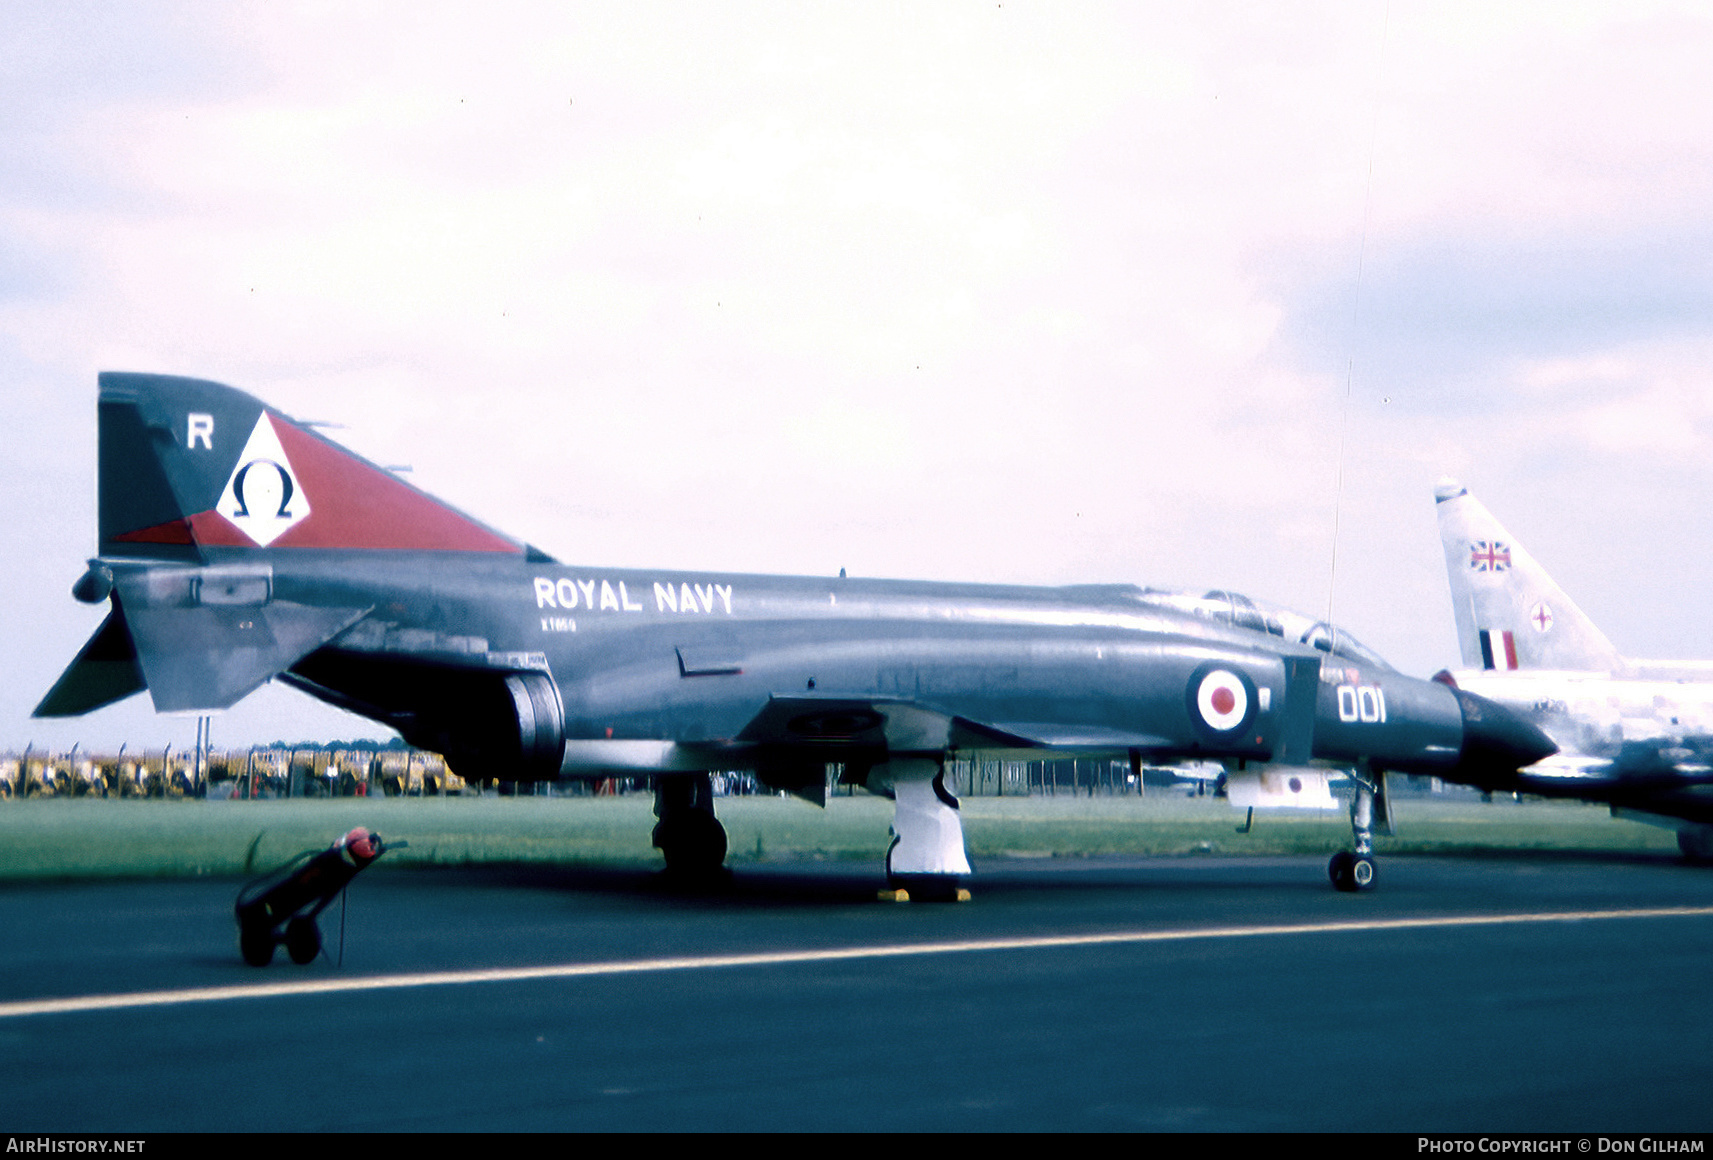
column 85, row 838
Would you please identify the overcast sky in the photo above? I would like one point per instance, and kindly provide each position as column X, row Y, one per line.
column 1040, row 293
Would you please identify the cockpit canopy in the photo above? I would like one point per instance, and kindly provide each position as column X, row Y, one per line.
column 1240, row 611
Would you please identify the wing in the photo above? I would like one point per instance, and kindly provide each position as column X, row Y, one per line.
column 1668, row 778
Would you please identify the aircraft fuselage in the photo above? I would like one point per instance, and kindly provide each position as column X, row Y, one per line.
column 692, row 659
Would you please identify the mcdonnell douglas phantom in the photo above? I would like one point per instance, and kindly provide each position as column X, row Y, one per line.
column 237, row 546
column 1635, row 734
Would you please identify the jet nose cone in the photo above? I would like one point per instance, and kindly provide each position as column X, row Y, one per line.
column 1495, row 740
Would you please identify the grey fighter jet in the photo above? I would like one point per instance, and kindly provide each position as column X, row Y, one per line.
column 238, row 546
column 1635, row 734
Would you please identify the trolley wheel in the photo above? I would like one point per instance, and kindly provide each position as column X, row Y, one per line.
column 256, row 944
column 302, row 940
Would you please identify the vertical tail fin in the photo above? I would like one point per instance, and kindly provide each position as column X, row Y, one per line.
column 1510, row 614
column 195, row 477
column 187, row 465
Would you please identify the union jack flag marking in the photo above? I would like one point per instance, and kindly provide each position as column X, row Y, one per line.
column 1494, row 557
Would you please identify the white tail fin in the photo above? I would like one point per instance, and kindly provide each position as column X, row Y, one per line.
column 1510, row 615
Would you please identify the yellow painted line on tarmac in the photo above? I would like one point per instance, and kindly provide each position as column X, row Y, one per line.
column 782, row 958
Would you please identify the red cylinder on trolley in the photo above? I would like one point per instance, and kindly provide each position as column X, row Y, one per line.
column 294, row 894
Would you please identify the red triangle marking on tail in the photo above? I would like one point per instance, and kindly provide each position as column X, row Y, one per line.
column 171, row 532
column 355, row 505
column 215, row 530
column 359, row 506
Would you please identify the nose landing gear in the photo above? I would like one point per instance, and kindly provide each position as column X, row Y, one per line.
column 1354, row 871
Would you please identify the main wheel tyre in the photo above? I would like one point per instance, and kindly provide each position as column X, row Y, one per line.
column 693, row 843
column 303, row 940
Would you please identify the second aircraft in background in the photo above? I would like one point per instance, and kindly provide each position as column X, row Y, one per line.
column 1635, row 734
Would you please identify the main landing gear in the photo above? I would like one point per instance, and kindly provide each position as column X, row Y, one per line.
column 1353, row 871
column 688, row 834
column 925, row 863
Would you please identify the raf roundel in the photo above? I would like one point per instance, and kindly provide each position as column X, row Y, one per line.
column 1222, row 700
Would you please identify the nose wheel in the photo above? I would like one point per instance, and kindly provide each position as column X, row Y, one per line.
column 1351, row 872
